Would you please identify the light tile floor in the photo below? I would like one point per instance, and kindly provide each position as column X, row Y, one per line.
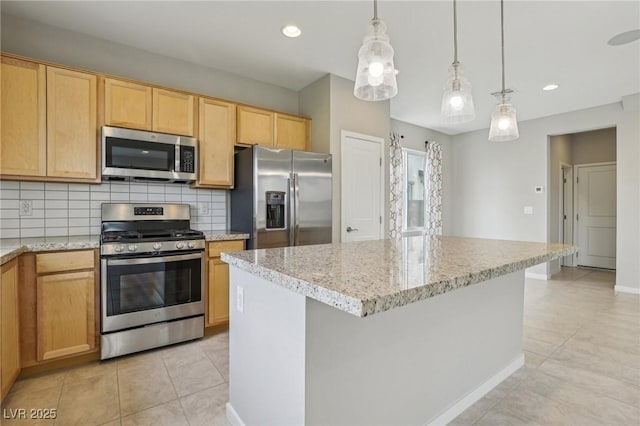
column 582, row 352
column 582, row 357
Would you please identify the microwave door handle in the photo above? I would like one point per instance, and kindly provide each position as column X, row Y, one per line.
column 159, row 259
column 176, row 166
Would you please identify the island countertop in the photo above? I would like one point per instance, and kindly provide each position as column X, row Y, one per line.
column 369, row 277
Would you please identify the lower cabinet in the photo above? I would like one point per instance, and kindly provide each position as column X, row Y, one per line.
column 58, row 303
column 217, row 305
column 9, row 327
column 66, row 314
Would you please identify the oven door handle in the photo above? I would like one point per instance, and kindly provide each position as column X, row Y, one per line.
column 147, row 260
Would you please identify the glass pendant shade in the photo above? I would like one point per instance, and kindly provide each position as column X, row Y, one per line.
column 504, row 125
column 457, row 102
column 376, row 76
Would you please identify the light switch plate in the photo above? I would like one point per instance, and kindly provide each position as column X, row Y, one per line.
column 528, row 209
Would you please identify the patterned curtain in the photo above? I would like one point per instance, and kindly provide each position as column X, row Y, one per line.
column 434, row 188
column 395, row 185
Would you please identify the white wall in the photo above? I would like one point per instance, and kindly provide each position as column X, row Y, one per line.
column 414, row 138
column 559, row 153
column 352, row 114
column 330, row 103
column 492, row 182
column 314, row 102
column 596, row 146
column 48, row 43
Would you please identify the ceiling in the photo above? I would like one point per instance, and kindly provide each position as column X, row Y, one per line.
column 562, row 42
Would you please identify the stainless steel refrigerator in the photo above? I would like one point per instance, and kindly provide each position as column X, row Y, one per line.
column 282, row 197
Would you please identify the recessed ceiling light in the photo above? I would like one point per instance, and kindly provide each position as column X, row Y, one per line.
column 550, row 87
column 291, row 31
column 624, row 38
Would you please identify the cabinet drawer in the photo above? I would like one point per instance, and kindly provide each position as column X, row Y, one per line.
column 217, row 247
column 64, row 261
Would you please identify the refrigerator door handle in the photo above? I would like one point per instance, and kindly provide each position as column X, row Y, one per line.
column 291, row 207
column 296, row 208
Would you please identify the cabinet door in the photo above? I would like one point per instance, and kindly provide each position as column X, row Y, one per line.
column 65, row 313
column 292, row 132
column 23, row 138
column 72, row 133
column 173, row 112
column 127, row 104
column 216, row 136
column 218, row 300
column 10, row 360
column 255, row 126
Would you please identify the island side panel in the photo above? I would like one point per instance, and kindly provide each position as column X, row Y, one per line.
column 414, row 364
column 266, row 353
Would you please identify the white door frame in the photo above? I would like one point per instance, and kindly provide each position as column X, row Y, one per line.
column 562, row 224
column 374, row 139
column 576, row 169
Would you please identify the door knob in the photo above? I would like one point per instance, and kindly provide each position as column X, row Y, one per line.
column 350, row 229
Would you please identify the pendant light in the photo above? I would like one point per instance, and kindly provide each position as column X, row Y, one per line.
column 457, row 102
column 376, row 76
column 504, row 125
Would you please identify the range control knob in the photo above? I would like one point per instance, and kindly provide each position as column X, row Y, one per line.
column 118, row 248
column 179, row 245
column 191, row 244
column 157, row 246
column 132, row 247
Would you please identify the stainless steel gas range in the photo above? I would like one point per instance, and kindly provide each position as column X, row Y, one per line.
column 152, row 277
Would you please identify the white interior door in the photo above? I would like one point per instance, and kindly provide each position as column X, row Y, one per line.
column 361, row 187
column 596, row 216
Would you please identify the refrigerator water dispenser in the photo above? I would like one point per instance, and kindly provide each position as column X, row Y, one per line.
column 275, row 210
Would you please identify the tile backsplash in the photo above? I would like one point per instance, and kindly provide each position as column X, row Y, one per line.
column 60, row 209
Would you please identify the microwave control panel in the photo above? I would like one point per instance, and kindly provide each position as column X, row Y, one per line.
column 187, row 160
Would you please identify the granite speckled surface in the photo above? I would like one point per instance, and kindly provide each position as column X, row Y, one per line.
column 14, row 247
column 365, row 278
column 225, row 235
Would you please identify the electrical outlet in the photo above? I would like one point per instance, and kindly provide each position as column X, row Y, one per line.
column 528, row 209
column 203, row 209
column 239, row 299
column 26, row 207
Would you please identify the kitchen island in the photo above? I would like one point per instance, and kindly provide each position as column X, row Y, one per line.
column 378, row 332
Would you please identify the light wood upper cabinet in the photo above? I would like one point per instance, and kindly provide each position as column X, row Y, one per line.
column 72, row 133
column 255, row 126
column 9, row 327
column 173, row 112
column 216, row 138
column 23, row 143
column 292, row 132
column 127, row 104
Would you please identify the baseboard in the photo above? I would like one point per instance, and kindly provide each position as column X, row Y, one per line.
column 475, row 395
column 537, row 276
column 630, row 290
column 233, row 417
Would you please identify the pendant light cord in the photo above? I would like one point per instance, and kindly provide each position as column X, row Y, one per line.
column 502, row 43
column 455, row 33
column 375, row 10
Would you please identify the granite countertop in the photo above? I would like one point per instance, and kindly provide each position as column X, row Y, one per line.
column 365, row 278
column 11, row 248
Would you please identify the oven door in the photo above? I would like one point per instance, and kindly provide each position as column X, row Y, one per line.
column 142, row 290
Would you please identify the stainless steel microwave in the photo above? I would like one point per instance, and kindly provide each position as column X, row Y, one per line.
column 146, row 156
